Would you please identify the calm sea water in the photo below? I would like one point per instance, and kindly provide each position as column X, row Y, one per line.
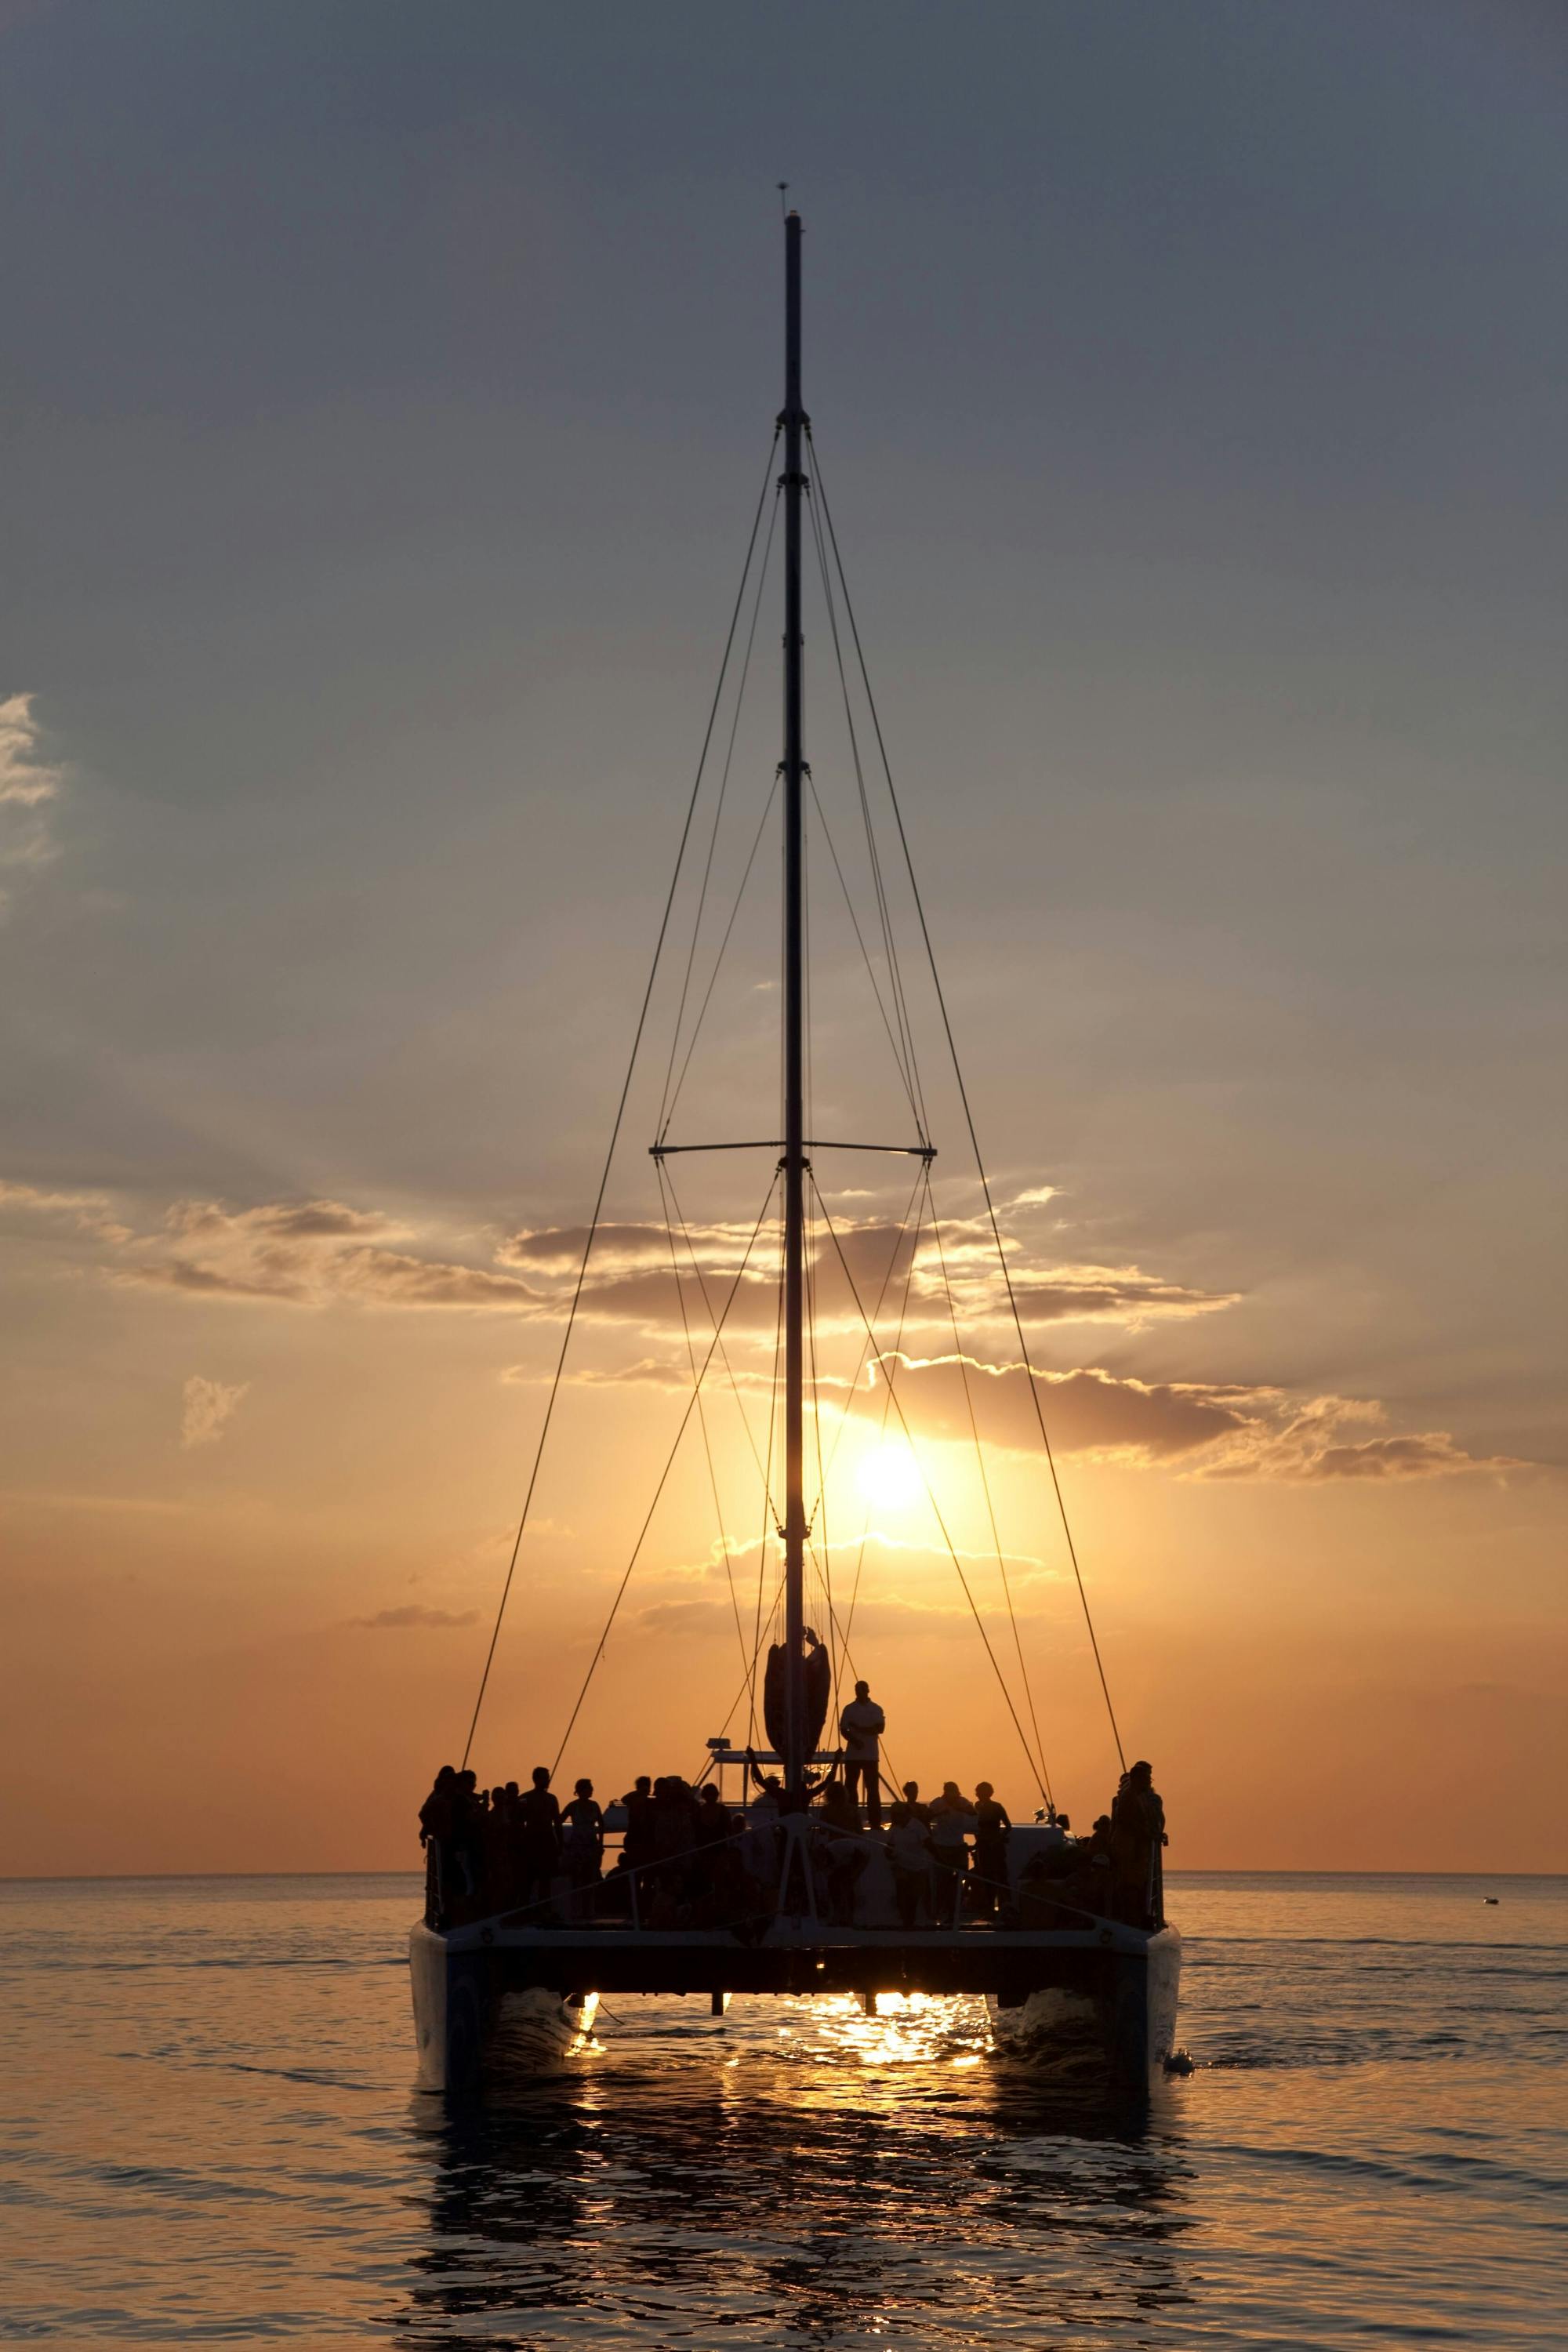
column 210, row 2135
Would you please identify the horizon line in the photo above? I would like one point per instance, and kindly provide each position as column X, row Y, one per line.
column 176, row 1877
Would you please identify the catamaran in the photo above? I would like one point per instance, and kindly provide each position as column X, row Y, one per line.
column 779, row 1885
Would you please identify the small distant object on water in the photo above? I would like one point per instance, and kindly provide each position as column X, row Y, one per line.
column 1493, row 1899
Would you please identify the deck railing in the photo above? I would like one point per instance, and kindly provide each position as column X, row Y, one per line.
column 803, row 1837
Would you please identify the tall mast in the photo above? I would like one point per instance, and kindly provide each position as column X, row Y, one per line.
column 792, row 421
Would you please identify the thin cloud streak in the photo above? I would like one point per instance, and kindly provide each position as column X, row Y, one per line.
column 414, row 1617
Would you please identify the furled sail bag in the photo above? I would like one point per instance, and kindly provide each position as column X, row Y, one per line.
column 817, row 1679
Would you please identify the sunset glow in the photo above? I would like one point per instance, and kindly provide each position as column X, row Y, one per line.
column 391, row 454
column 889, row 1476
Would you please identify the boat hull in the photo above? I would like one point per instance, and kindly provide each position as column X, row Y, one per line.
column 493, row 1992
column 1123, row 2026
column 471, row 2023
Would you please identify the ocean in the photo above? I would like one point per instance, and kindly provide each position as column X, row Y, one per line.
column 211, row 2136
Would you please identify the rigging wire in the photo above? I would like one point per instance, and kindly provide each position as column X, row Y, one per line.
column 748, row 1685
column 823, row 1561
column 866, row 959
column 769, row 1516
column 702, row 1418
column 764, row 1468
column 844, row 1644
column 822, row 1564
column 890, row 942
column 719, row 959
column 990, row 1504
column 886, row 1401
column 669, row 1181
column 662, row 1479
column 661, row 1125
column 887, row 1277
column 969, row 1116
column 620, row 1110
column 936, row 1514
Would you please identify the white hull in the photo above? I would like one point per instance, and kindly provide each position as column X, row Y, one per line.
column 464, row 2030
column 1073, row 2032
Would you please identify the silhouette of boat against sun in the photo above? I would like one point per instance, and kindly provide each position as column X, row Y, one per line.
column 771, row 1870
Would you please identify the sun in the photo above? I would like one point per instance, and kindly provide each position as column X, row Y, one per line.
column 888, row 1476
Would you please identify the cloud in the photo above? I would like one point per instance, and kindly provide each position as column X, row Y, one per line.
column 414, row 1614
column 1430, row 1455
column 90, row 1213
column 672, row 1372
column 630, row 1278
column 208, row 1408
column 319, row 1253
column 312, row 1253
column 866, row 1267
column 1309, row 1444
column 391, row 1278
column 308, row 1253
column 687, row 1617
column 1084, row 1411
column 650, row 1302
column 558, row 1249
column 292, row 1221
column 1098, row 1294
column 1211, row 1430
column 27, row 786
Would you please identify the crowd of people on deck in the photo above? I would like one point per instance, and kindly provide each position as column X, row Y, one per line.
column 686, row 1859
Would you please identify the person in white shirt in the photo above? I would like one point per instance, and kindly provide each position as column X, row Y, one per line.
column 909, row 1851
column 951, row 1817
column 861, row 1726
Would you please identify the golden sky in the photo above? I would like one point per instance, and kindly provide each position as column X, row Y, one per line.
column 391, row 429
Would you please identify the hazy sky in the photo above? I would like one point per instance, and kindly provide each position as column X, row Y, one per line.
column 387, row 391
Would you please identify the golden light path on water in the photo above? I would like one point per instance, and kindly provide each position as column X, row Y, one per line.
column 833, row 2031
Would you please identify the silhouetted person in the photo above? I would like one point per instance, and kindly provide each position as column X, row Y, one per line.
column 437, row 1821
column 991, row 1830
column 582, row 1847
column 715, row 1866
column 667, row 1890
column 495, row 1850
column 539, row 1822
column 788, row 1801
column 637, row 1843
column 1137, row 1834
column 909, row 1851
column 950, row 1819
column 616, row 1894
column 861, row 1726
column 912, row 1799
column 465, row 1847
column 712, row 1816
column 1056, row 1853
column 837, row 1808
column 843, row 1852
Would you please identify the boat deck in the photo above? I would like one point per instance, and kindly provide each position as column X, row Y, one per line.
column 799, row 1956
